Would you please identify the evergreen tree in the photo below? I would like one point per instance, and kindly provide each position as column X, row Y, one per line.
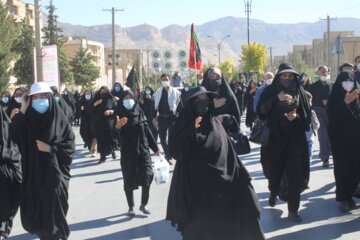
column 8, row 32
column 52, row 37
column 83, row 70
column 23, row 46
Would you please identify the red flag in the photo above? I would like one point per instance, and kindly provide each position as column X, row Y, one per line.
column 195, row 53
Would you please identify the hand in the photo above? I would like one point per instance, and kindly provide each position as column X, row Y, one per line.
column 283, row 97
column 82, row 108
column 25, row 101
column 43, row 147
column 219, row 102
column 291, row 116
column 197, row 122
column 155, row 121
column 324, row 102
column 120, row 122
column 116, row 98
column 109, row 112
column 148, row 96
column 351, row 96
column 99, row 101
column 14, row 112
column 220, row 118
column 158, row 153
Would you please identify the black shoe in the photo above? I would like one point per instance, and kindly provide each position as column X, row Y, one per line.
column 102, row 160
column 113, row 154
column 294, row 217
column 346, row 206
column 144, row 209
column 326, row 163
column 272, row 199
column 131, row 212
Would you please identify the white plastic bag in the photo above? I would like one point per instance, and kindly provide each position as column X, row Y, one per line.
column 161, row 169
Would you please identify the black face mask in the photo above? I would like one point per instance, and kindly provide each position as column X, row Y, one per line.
column 201, row 107
column 286, row 83
column 103, row 95
column 214, row 85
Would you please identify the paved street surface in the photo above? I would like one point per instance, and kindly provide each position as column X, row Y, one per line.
column 98, row 205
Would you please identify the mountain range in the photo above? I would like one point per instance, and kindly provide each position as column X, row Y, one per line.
column 281, row 37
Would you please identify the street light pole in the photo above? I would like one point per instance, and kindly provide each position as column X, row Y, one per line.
column 38, row 64
column 248, row 11
column 219, row 45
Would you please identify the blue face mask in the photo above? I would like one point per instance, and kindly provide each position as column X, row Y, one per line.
column 40, row 105
column 117, row 89
column 5, row 99
column 129, row 103
column 57, row 99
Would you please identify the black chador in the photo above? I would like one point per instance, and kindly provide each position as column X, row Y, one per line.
column 44, row 194
column 344, row 132
column 211, row 196
column 10, row 177
column 102, row 125
column 86, row 132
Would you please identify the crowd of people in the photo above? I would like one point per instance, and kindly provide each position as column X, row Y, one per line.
column 211, row 195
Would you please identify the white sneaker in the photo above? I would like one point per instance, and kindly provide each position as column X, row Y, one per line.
column 93, row 155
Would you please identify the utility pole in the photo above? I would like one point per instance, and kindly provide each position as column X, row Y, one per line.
column 328, row 40
column 271, row 58
column 147, row 50
column 113, row 63
column 38, row 64
column 247, row 12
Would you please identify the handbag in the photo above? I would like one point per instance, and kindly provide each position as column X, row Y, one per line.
column 260, row 132
column 240, row 143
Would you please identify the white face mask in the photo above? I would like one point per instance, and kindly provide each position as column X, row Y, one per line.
column 348, row 85
column 87, row 96
column 358, row 66
column 186, row 89
column 165, row 84
column 326, row 78
column 268, row 81
column 18, row 99
column 148, row 92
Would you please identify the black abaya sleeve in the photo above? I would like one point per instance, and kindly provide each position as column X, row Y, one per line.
column 17, row 127
column 152, row 143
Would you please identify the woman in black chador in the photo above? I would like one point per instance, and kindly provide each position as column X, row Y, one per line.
column 286, row 109
column 103, row 122
column 147, row 104
column 15, row 102
column 226, row 108
column 344, row 130
column 46, row 144
column 211, row 196
column 86, row 131
column 62, row 103
column 249, row 104
column 10, row 177
column 136, row 142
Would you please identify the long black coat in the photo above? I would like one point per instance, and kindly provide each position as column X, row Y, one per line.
column 344, row 132
column 10, row 176
column 211, row 196
column 103, row 126
column 44, row 193
column 136, row 140
column 86, row 130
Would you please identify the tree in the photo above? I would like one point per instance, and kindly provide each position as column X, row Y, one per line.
column 253, row 57
column 23, row 46
column 8, row 33
column 52, row 37
column 227, row 69
column 83, row 70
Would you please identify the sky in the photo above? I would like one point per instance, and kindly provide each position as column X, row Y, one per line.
column 161, row 13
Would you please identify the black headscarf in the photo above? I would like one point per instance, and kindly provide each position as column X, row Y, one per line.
column 10, row 173
column 206, row 166
column 337, row 95
column 44, row 197
column 13, row 103
column 231, row 107
column 300, row 103
column 3, row 104
column 117, row 94
column 63, row 105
